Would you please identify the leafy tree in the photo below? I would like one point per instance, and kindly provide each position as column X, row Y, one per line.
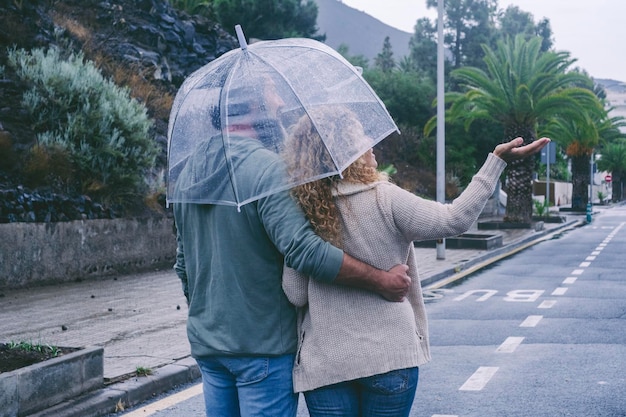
column 384, row 60
column 467, row 25
column 521, row 87
column 406, row 95
column 270, row 19
column 423, row 48
column 356, row 60
column 514, row 21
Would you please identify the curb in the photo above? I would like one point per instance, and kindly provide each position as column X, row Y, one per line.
column 459, row 271
column 128, row 393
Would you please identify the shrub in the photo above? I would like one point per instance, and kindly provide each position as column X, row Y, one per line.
column 74, row 109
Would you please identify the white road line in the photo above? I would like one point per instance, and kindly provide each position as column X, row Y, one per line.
column 559, row 291
column 595, row 252
column 444, row 415
column 480, row 378
column 510, row 344
column 584, row 264
column 577, row 271
column 547, row 304
column 531, row 321
column 569, row 280
column 590, row 258
column 599, row 248
column 166, row 402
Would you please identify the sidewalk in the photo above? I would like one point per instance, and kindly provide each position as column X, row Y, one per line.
column 139, row 320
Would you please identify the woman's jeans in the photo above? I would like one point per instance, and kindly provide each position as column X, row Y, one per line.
column 390, row 394
column 237, row 386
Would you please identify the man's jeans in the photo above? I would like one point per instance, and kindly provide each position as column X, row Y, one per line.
column 248, row 386
column 390, row 394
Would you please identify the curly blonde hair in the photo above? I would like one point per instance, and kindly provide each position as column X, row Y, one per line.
column 307, row 156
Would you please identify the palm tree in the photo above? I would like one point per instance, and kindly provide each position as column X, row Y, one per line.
column 579, row 137
column 522, row 87
column 613, row 160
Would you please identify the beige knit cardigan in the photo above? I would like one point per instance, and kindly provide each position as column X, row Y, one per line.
column 347, row 333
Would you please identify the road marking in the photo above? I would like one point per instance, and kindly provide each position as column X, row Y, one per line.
column 569, row 280
column 595, row 252
column 559, row 291
column 444, row 415
column 584, row 264
column 166, row 402
column 480, row 378
column 510, row 344
column 488, row 293
column 590, row 258
column 547, row 304
column 599, row 248
column 531, row 321
column 577, row 271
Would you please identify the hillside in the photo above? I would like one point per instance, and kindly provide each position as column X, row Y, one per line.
column 363, row 34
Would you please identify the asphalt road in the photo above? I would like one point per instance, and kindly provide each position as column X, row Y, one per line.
column 541, row 334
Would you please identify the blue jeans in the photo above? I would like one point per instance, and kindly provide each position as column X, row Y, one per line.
column 241, row 386
column 390, row 394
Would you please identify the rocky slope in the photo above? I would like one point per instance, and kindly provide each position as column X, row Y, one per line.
column 144, row 44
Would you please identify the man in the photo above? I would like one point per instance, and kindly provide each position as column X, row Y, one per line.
column 241, row 327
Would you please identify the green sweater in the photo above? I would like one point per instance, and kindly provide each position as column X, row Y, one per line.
column 230, row 263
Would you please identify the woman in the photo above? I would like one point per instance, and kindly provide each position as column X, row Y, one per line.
column 358, row 354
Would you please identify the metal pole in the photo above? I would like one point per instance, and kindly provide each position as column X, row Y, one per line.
column 589, row 203
column 441, row 136
column 548, row 178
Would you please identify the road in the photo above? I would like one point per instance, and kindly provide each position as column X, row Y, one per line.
column 541, row 334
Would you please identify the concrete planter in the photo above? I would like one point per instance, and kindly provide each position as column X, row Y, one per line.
column 36, row 387
column 466, row 241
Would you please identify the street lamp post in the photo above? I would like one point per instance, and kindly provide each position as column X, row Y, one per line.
column 441, row 136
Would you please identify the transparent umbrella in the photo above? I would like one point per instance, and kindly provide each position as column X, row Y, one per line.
column 230, row 119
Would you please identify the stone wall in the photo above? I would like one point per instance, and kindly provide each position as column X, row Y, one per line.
column 45, row 253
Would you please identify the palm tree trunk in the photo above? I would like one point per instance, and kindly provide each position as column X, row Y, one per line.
column 616, row 187
column 519, row 200
column 580, row 182
column 519, row 187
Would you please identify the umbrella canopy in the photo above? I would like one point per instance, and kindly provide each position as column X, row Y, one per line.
column 229, row 120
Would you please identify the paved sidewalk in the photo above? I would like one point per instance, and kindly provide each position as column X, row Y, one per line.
column 140, row 320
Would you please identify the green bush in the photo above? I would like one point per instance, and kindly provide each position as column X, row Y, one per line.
column 103, row 130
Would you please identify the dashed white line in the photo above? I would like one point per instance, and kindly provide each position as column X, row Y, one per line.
column 510, row 344
column 584, row 264
column 559, row 291
column 531, row 321
column 479, row 379
column 547, row 304
column 590, row 258
column 595, row 252
column 444, row 415
column 569, row 280
column 577, row 271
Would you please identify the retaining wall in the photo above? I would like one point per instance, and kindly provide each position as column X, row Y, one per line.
column 45, row 253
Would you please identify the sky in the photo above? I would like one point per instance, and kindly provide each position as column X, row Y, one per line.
column 592, row 31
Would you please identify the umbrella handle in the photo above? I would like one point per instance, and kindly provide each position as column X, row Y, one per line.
column 242, row 39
